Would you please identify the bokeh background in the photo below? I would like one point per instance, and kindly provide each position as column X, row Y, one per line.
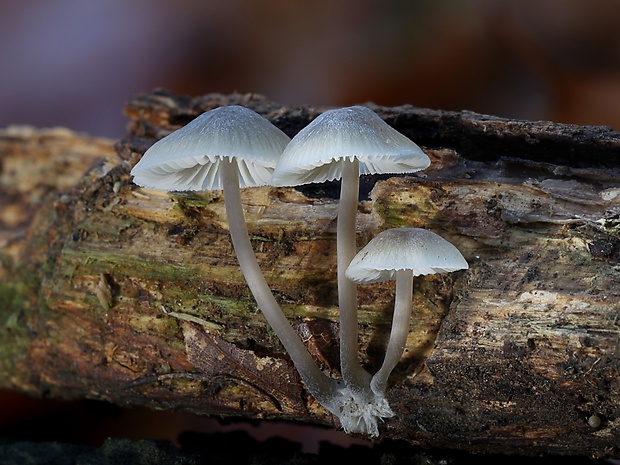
column 74, row 63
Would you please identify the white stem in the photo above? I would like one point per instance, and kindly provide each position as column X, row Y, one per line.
column 322, row 388
column 353, row 374
column 400, row 330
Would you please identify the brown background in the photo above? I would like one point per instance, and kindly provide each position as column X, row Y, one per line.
column 74, row 63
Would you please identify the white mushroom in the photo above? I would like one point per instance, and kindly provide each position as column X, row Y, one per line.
column 227, row 148
column 192, row 158
column 401, row 254
column 345, row 143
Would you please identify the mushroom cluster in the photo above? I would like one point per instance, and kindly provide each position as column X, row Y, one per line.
column 233, row 147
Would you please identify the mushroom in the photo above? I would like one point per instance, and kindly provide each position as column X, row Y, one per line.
column 401, row 254
column 345, row 143
column 228, row 148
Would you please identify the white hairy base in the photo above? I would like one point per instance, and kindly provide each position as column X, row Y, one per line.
column 361, row 412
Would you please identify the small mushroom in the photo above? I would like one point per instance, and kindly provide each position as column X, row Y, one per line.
column 345, row 143
column 401, row 254
column 228, row 148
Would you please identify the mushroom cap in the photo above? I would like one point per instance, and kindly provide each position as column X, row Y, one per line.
column 317, row 152
column 189, row 158
column 415, row 249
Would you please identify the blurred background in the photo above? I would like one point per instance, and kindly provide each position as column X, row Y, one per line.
column 74, row 63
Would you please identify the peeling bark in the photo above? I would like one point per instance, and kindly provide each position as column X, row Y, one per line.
column 114, row 292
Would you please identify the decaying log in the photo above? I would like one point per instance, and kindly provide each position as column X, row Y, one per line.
column 114, row 292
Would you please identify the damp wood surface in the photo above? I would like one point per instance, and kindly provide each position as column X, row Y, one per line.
column 114, row 292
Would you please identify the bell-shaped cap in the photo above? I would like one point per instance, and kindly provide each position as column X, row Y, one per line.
column 317, row 152
column 419, row 250
column 189, row 158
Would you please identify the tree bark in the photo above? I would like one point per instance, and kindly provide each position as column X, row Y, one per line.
column 115, row 292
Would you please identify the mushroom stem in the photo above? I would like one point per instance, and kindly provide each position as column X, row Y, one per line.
column 322, row 388
column 400, row 330
column 353, row 374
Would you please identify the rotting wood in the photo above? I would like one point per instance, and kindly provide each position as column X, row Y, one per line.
column 516, row 355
